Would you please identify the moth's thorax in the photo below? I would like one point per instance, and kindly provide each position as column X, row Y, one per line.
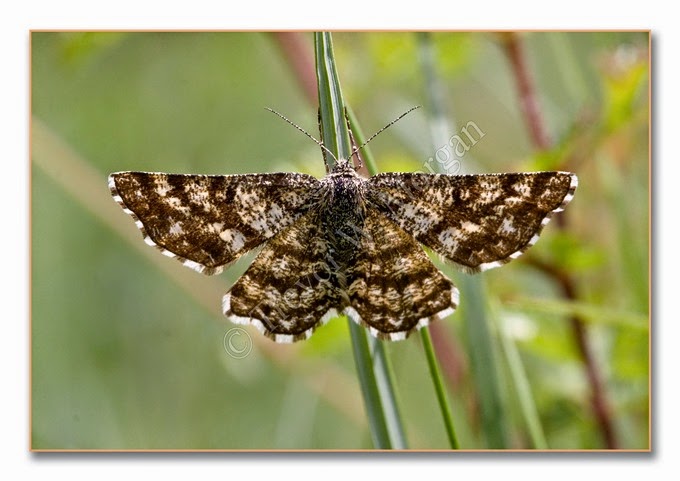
column 343, row 188
column 343, row 210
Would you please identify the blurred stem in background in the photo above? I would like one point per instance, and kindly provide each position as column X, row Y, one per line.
column 473, row 298
column 529, row 105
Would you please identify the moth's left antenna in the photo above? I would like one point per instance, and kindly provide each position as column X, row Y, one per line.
column 318, row 142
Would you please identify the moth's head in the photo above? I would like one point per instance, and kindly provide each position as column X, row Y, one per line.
column 344, row 166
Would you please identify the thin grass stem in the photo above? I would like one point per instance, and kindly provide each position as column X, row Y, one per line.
column 439, row 387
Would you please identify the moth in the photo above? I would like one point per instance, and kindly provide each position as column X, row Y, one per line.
column 342, row 244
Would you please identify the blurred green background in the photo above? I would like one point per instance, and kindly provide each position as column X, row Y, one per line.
column 128, row 346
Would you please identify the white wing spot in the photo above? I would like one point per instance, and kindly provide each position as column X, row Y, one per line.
column 162, row 186
column 275, row 214
column 216, row 226
column 507, row 227
column 176, row 229
column 234, row 238
column 470, row 227
column 449, row 239
column 260, row 225
column 420, row 220
column 177, row 204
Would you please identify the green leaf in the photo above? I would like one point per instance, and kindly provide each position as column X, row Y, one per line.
column 439, row 387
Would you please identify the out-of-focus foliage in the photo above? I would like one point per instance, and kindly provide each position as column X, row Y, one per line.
column 123, row 355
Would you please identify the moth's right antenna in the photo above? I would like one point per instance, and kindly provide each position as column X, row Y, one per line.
column 353, row 142
column 318, row 142
column 357, row 149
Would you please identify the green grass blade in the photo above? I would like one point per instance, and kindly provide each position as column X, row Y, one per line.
column 383, row 377
column 439, row 387
column 369, row 387
column 523, row 390
column 331, row 104
column 372, row 367
column 474, row 310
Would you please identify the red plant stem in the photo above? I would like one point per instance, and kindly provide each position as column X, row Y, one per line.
column 448, row 354
column 295, row 47
column 597, row 398
column 528, row 99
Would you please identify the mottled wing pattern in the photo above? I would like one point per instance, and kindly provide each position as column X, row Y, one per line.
column 206, row 221
column 394, row 289
column 476, row 221
column 290, row 288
